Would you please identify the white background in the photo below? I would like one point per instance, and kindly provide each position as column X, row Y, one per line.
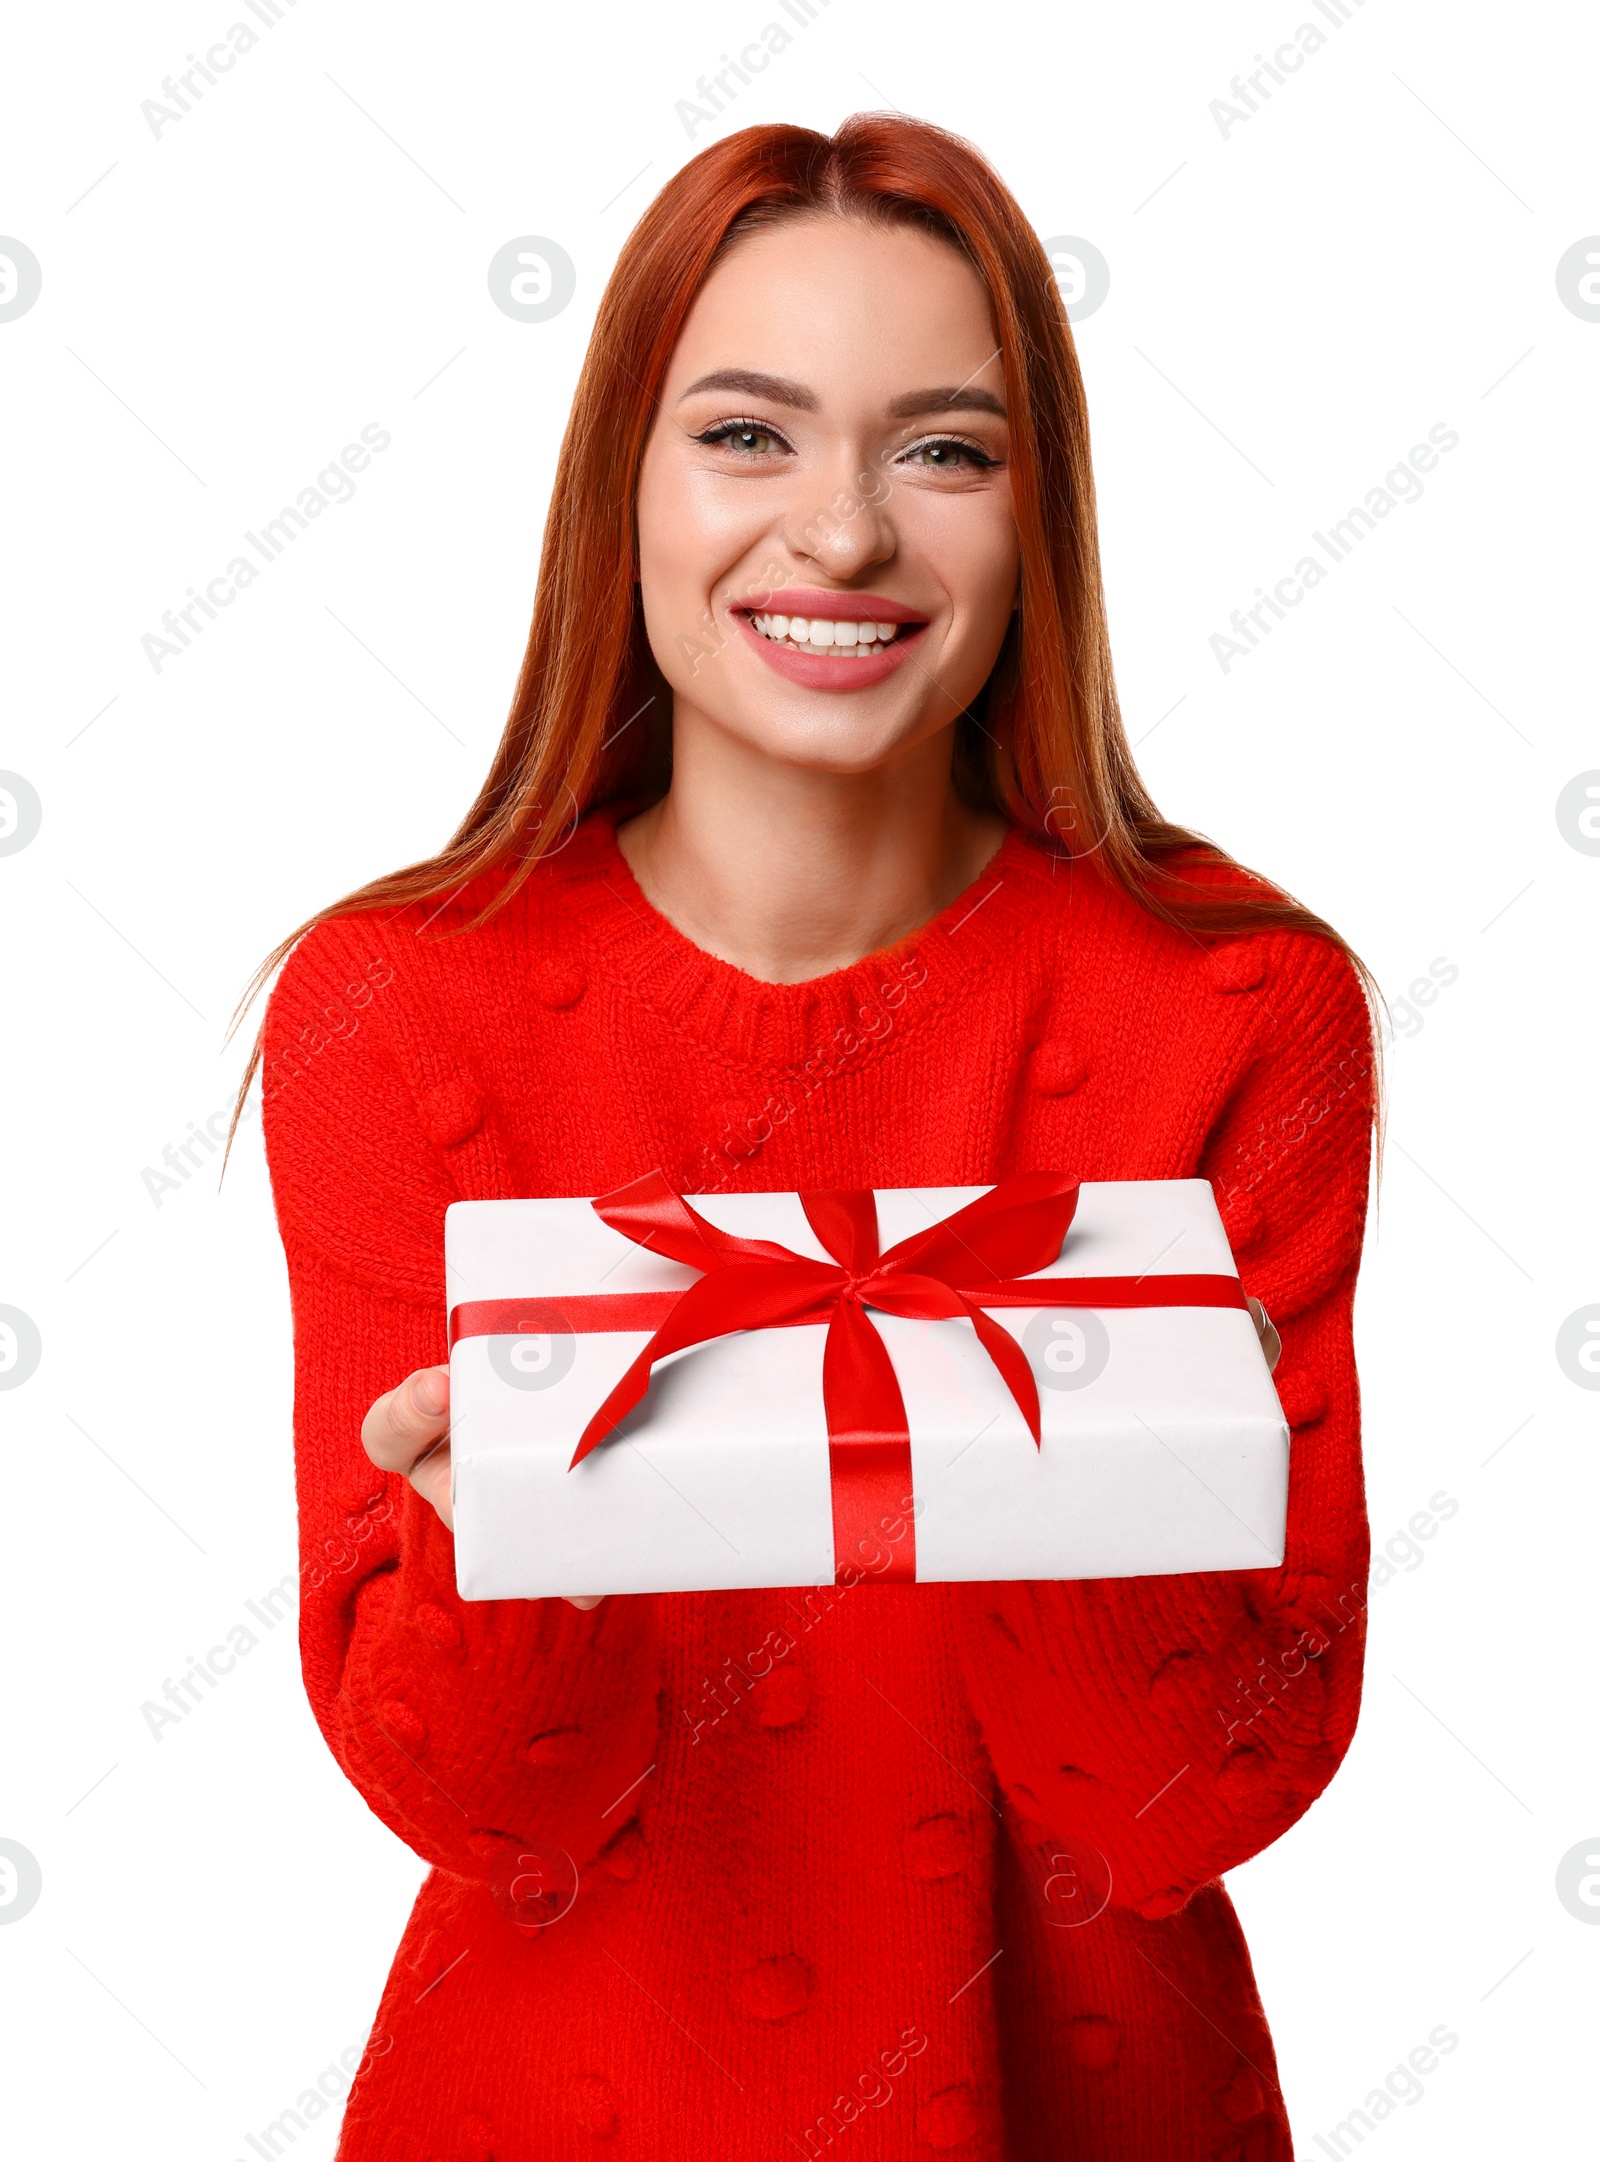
column 1292, row 306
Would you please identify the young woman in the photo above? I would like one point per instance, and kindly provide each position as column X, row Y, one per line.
column 814, row 857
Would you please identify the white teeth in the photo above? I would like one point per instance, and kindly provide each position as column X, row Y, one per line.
column 818, row 634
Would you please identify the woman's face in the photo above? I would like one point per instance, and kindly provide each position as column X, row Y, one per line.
column 830, row 454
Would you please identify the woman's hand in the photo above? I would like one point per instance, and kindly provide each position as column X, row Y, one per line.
column 408, row 1431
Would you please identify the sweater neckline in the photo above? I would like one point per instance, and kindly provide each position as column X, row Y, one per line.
column 896, row 990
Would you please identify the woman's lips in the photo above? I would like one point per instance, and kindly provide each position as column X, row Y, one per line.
column 821, row 671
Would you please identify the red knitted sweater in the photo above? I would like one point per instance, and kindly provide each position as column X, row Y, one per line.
column 842, row 1856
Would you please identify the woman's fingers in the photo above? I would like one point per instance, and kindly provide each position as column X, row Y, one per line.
column 430, row 1475
column 402, row 1426
column 408, row 1431
column 1271, row 1342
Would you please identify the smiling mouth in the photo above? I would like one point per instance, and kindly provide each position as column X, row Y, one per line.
column 842, row 639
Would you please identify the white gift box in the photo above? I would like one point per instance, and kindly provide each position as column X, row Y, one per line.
column 1162, row 1448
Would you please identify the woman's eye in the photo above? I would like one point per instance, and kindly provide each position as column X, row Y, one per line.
column 948, row 454
column 746, row 438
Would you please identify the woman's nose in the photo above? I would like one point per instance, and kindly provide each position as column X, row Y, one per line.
column 851, row 526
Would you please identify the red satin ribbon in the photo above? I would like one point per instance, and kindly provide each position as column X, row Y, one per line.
column 952, row 1271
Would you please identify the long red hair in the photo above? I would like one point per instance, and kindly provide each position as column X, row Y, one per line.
column 1043, row 743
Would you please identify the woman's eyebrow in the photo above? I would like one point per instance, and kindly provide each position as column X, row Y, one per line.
column 776, row 387
column 960, row 397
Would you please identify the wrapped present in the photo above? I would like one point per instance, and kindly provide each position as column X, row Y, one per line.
column 1037, row 1380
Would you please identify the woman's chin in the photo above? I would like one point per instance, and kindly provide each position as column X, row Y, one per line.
column 841, row 749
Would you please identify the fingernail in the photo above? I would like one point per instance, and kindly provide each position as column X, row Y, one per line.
column 428, row 1394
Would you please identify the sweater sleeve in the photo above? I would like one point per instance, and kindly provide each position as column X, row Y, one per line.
column 1180, row 1724
column 495, row 1737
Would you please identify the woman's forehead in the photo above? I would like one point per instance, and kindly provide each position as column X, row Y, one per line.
column 825, row 303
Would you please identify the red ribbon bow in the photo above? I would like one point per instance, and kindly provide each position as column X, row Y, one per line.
column 753, row 1284
column 982, row 1256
